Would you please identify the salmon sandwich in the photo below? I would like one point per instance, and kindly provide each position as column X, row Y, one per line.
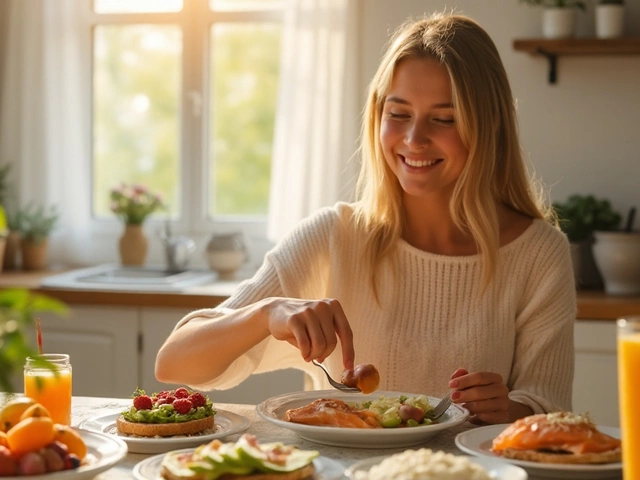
column 559, row 437
column 168, row 413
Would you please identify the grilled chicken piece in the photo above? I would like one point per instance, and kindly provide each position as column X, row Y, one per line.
column 332, row 413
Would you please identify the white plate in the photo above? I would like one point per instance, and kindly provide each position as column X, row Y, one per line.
column 149, row 468
column 226, row 423
column 103, row 452
column 478, row 442
column 273, row 410
column 497, row 469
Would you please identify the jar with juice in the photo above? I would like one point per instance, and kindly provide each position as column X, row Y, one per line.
column 50, row 384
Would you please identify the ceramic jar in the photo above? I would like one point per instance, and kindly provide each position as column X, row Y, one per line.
column 133, row 245
column 226, row 252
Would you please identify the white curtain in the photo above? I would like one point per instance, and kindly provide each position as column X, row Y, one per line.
column 317, row 116
column 42, row 132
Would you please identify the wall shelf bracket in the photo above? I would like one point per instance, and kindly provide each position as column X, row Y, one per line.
column 553, row 64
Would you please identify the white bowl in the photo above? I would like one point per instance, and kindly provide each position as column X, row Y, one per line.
column 226, row 262
column 617, row 255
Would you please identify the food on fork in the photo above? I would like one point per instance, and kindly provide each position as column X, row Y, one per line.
column 385, row 412
column 425, row 464
column 364, row 377
column 558, row 437
column 167, row 413
column 245, row 458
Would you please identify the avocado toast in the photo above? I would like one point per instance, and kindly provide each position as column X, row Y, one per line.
column 168, row 413
column 244, row 459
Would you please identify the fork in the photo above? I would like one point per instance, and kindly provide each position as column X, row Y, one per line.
column 440, row 408
column 334, row 384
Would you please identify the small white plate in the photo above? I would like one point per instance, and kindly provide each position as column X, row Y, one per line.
column 226, row 423
column 103, row 452
column 497, row 469
column 273, row 410
column 149, row 468
column 478, row 442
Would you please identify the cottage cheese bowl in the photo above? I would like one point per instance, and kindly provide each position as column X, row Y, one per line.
column 427, row 464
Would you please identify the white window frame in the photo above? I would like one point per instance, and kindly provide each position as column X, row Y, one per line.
column 194, row 142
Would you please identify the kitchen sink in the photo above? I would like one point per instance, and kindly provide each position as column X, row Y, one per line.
column 114, row 277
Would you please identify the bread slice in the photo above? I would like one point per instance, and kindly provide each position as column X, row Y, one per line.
column 300, row 474
column 610, row 456
column 191, row 427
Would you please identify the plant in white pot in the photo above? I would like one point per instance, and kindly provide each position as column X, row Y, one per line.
column 579, row 217
column 610, row 18
column 559, row 17
column 617, row 255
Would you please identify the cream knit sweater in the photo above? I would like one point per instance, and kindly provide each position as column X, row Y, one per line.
column 433, row 318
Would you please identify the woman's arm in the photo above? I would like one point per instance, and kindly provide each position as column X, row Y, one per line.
column 203, row 348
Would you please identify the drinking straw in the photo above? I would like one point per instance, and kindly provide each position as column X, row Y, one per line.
column 39, row 335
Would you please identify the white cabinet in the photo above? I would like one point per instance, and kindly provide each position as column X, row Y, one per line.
column 102, row 343
column 157, row 323
column 113, row 351
column 595, row 386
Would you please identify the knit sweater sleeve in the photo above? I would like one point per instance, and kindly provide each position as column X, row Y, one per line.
column 297, row 267
column 542, row 372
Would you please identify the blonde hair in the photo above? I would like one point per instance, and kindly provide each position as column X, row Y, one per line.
column 486, row 120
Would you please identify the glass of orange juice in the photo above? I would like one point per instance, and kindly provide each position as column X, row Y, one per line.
column 50, row 384
column 629, row 390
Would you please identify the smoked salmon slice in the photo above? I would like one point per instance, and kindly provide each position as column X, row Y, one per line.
column 332, row 413
column 557, row 432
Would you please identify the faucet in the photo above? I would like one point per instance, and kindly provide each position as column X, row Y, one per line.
column 177, row 249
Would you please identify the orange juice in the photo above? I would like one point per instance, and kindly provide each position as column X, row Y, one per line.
column 629, row 390
column 50, row 387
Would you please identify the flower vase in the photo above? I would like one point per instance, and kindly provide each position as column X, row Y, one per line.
column 133, row 245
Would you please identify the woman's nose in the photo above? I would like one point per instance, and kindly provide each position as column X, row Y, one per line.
column 417, row 135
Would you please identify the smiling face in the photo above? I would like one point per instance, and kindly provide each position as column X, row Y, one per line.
column 419, row 138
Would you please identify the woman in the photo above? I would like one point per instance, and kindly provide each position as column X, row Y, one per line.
column 445, row 274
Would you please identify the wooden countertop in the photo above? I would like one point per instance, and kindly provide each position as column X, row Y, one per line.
column 592, row 305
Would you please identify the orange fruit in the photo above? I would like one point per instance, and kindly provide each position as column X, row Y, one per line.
column 35, row 410
column 3, row 440
column 30, row 434
column 71, row 438
column 12, row 411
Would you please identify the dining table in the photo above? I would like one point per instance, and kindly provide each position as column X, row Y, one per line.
column 85, row 408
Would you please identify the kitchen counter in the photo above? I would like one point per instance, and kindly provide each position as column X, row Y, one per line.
column 592, row 305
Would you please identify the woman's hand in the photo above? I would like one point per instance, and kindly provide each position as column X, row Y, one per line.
column 313, row 326
column 484, row 394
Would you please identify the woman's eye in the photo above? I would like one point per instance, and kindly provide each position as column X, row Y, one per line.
column 397, row 115
column 444, row 121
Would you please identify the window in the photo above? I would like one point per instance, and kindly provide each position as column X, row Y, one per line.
column 183, row 102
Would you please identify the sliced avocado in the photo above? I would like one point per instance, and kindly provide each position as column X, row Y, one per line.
column 223, row 460
column 257, row 457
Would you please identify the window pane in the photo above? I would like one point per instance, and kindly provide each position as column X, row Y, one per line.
column 136, row 115
column 245, row 64
column 136, row 6
column 245, row 4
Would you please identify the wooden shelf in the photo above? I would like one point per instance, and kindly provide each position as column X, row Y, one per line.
column 552, row 49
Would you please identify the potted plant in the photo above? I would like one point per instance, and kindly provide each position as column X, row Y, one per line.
column 617, row 255
column 37, row 222
column 133, row 204
column 579, row 217
column 12, row 249
column 18, row 308
column 558, row 17
column 609, row 18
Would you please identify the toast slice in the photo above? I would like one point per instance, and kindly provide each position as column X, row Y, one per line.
column 191, row 427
